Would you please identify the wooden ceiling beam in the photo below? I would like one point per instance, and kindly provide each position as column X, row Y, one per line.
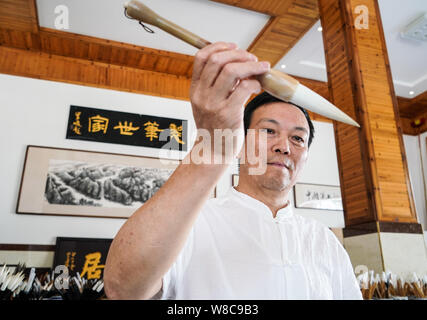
column 414, row 107
column 39, row 65
column 19, row 15
column 409, row 124
column 73, row 45
column 272, row 8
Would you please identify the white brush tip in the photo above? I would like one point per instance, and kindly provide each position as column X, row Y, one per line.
column 310, row 100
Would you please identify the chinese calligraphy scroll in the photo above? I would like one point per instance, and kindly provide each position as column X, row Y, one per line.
column 100, row 125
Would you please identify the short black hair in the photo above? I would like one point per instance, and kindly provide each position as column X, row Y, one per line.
column 265, row 98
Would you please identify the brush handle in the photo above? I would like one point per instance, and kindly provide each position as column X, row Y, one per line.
column 141, row 12
column 276, row 83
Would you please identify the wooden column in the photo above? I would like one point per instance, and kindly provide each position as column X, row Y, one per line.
column 381, row 229
column 373, row 170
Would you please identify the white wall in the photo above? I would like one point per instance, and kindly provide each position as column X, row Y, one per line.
column 35, row 112
column 413, row 155
column 416, row 154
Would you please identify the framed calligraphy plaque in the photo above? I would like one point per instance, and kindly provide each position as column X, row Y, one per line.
column 315, row 196
column 87, row 183
column 85, row 256
column 109, row 126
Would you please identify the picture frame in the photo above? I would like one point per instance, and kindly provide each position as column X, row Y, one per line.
column 70, row 182
column 86, row 256
column 318, row 197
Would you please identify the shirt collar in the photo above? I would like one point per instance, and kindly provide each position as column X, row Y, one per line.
column 260, row 207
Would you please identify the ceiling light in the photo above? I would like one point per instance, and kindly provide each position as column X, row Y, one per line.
column 417, row 29
column 320, row 29
column 283, row 66
column 411, row 92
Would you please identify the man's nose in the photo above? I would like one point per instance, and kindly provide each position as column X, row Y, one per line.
column 282, row 146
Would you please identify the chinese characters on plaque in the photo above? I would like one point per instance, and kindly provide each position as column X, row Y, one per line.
column 126, row 128
column 83, row 255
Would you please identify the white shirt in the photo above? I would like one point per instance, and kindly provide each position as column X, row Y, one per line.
column 237, row 250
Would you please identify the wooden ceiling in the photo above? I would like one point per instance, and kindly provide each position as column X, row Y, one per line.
column 29, row 50
column 289, row 21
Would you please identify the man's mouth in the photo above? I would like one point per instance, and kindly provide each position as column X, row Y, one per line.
column 278, row 164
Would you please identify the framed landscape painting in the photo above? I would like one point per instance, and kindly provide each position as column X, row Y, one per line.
column 87, row 183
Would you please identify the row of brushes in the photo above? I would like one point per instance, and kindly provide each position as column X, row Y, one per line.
column 16, row 284
column 392, row 286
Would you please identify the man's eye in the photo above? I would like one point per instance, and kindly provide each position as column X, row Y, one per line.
column 268, row 130
column 299, row 139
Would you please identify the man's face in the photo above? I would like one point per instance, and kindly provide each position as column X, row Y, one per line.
column 287, row 134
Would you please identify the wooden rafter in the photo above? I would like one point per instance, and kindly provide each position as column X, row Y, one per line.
column 19, row 15
column 45, row 66
column 95, row 49
column 272, row 8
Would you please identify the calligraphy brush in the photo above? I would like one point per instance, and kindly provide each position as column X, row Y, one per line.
column 363, row 284
column 25, row 290
column 416, row 286
column 378, row 293
column 90, row 289
column 277, row 83
column 10, row 281
column 5, row 279
column 394, row 286
column 93, row 290
column 383, row 286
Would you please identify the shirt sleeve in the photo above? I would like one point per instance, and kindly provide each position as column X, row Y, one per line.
column 176, row 271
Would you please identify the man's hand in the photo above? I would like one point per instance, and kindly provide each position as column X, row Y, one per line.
column 222, row 83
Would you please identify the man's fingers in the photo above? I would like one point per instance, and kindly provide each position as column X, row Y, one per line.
column 203, row 55
column 243, row 91
column 218, row 60
column 233, row 72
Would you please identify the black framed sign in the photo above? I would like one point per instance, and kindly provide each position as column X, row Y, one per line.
column 109, row 126
column 86, row 256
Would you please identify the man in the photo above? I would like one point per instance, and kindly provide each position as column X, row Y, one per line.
column 248, row 244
